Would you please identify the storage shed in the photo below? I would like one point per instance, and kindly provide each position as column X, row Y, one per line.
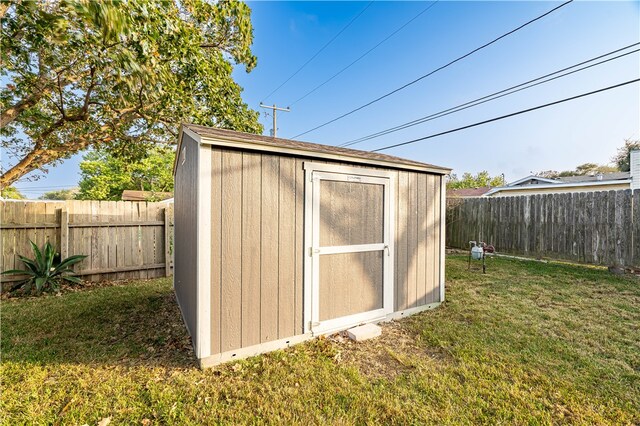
column 277, row 241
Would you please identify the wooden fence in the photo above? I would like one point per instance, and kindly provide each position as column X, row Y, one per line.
column 592, row 227
column 122, row 239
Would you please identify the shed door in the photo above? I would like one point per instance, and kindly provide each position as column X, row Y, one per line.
column 350, row 249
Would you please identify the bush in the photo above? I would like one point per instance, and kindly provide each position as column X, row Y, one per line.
column 46, row 270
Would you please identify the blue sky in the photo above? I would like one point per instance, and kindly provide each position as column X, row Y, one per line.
column 287, row 34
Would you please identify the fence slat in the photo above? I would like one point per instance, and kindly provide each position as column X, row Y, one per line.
column 594, row 227
column 122, row 239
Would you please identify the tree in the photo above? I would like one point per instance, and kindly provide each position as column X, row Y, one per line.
column 62, row 194
column 623, row 158
column 104, row 175
column 115, row 73
column 581, row 170
column 11, row 193
column 470, row 181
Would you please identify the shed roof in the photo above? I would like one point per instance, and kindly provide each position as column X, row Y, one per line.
column 232, row 138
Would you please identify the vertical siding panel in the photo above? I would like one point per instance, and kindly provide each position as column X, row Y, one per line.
column 231, row 250
column 216, row 250
column 421, row 277
column 269, row 249
column 186, row 245
column 401, row 242
column 412, row 240
column 299, row 248
column 286, row 247
column 251, row 197
column 437, row 196
column 635, row 220
column 432, row 252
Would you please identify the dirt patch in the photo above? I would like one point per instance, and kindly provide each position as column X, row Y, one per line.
column 397, row 351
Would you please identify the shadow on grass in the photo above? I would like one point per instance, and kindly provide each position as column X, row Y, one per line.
column 127, row 325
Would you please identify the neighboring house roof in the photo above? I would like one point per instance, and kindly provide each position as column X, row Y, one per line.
column 232, row 138
column 530, row 179
column 467, row 192
column 539, row 180
column 130, row 195
column 596, row 178
column 560, row 185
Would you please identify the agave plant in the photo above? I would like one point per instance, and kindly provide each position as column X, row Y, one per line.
column 46, row 270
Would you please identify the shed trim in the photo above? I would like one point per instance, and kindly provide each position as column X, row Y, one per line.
column 443, row 230
column 332, row 168
column 190, row 133
column 203, row 285
column 344, row 157
column 411, row 311
column 311, row 229
column 261, row 348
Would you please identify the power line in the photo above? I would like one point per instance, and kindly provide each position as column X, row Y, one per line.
column 436, row 70
column 364, row 54
column 42, row 187
column 320, row 51
column 496, row 95
column 506, row 116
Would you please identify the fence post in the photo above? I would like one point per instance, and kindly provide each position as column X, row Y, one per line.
column 64, row 233
column 167, row 243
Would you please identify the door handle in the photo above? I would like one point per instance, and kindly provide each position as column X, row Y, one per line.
column 386, row 249
column 313, row 251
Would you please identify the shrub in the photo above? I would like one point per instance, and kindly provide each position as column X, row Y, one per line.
column 45, row 271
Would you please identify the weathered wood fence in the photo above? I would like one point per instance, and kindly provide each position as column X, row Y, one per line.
column 122, row 239
column 592, row 227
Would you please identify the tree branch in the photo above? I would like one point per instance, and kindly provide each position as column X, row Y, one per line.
column 11, row 113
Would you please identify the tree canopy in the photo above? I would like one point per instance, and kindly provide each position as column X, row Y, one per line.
column 104, row 175
column 61, row 194
column 121, row 74
column 11, row 193
column 623, row 158
column 468, row 180
column 581, row 170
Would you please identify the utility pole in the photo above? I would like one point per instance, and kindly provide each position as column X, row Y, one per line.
column 275, row 115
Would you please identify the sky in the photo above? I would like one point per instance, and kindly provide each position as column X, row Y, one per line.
column 590, row 129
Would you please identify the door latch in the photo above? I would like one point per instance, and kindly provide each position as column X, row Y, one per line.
column 313, row 251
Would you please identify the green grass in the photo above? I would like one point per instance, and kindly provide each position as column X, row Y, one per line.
column 527, row 343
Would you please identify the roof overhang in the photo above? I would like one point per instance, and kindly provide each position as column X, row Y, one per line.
column 244, row 143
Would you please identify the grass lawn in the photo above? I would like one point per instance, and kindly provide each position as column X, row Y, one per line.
column 527, row 343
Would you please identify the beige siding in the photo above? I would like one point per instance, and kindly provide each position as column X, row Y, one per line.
column 231, row 323
column 417, row 238
column 257, row 248
column 185, row 225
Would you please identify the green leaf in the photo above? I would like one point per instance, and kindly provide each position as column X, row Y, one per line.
column 30, row 264
column 49, row 254
column 40, row 282
column 126, row 75
column 39, row 261
column 74, row 280
column 71, row 260
column 18, row 272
